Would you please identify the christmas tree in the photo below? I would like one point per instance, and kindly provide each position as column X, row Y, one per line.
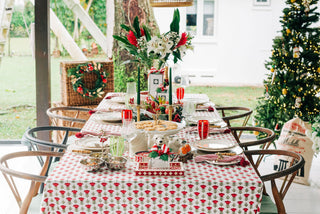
column 293, row 84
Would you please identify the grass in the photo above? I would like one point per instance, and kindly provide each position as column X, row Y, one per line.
column 17, row 91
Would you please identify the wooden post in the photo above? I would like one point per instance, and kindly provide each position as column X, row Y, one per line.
column 170, row 112
column 42, row 54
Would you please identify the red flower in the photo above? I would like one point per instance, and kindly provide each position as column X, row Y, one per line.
column 177, row 118
column 227, row 131
column 91, row 112
column 104, row 80
column 243, row 162
column 210, row 108
column 132, row 38
column 90, row 68
column 79, row 135
column 142, row 32
column 183, row 40
column 80, row 90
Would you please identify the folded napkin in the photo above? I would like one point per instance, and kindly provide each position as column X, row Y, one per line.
column 113, row 95
column 212, row 130
column 205, row 107
column 107, row 110
column 83, row 133
column 215, row 157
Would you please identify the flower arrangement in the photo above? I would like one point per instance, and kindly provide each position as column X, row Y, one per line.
column 155, row 50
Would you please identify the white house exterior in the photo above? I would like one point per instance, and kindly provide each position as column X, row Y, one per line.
column 243, row 32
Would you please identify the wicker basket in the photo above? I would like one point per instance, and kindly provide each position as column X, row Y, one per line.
column 171, row 3
column 72, row 98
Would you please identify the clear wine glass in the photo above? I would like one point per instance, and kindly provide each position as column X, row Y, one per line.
column 189, row 107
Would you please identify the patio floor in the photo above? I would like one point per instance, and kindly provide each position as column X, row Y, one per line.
column 300, row 199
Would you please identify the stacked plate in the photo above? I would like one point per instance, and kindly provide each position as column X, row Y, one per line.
column 214, row 145
column 108, row 117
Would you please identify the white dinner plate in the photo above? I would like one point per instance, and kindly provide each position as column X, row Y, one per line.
column 214, row 145
column 223, row 163
column 91, row 143
column 119, row 99
column 108, row 117
column 195, row 119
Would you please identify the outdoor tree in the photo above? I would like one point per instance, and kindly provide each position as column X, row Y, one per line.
column 126, row 11
column 293, row 84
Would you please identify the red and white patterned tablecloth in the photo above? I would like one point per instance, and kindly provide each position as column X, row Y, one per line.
column 204, row 189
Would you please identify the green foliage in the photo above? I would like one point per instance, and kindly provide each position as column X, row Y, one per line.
column 174, row 26
column 153, row 154
column 18, row 26
column 164, row 157
column 294, row 66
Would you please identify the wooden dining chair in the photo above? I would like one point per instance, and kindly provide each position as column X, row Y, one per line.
column 234, row 113
column 31, row 202
column 295, row 163
column 31, row 139
column 253, row 136
column 68, row 116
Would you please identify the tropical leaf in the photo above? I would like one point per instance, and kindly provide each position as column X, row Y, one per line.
column 147, row 33
column 174, row 26
column 137, row 27
column 125, row 27
column 122, row 39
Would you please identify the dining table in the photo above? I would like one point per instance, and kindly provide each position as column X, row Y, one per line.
column 204, row 188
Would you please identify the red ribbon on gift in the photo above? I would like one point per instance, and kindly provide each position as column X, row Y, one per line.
column 153, row 70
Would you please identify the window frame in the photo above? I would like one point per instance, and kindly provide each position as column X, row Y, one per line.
column 199, row 36
column 256, row 3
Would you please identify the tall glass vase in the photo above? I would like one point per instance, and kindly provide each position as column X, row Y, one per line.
column 131, row 93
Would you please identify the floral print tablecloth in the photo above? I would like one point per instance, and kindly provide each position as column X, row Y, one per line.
column 204, row 188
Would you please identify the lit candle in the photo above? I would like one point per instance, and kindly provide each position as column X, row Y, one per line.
column 138, row 85
column 170, row 86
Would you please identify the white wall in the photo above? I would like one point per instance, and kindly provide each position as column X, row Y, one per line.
column 242, row 43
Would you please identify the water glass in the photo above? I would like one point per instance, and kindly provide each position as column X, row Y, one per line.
column 126, row 115
column 203, row 129
column 180, row 93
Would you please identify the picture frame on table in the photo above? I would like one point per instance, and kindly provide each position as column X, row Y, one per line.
column 154, row 81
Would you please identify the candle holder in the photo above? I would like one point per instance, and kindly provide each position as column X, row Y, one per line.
column 138, row 112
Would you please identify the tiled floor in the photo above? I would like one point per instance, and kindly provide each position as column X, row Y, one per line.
column 300, row 199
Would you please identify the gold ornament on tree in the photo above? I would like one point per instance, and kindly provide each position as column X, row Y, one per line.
column 298, row 102
column 296, row 52
column 284, row 91
column 288, row 31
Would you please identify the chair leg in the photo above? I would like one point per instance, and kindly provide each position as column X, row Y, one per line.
column 277, row 198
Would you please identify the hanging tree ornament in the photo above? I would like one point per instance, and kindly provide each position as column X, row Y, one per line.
column 296, row 52
column 284, row 91
column 288, row 31
column 273, row 77
column 277, row 127
column 298, row 102
column 306, row 4
column 267, row 96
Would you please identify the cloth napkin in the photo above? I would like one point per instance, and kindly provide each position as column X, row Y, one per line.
column 214, row 157
column 98, row 134
column 212, row 130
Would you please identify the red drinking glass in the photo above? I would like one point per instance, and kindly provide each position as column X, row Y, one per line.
column 126, row 114
column 180, row 93
column 203, row 129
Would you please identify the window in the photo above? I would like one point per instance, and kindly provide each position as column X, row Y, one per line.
column 261, row 2
column 200, row 18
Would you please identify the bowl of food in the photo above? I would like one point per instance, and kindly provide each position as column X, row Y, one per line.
column 91, row 164
column 116, row 163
